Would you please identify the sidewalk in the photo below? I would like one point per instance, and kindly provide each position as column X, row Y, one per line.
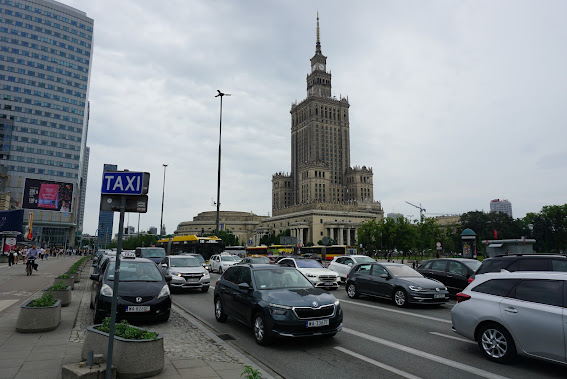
column 192, row 351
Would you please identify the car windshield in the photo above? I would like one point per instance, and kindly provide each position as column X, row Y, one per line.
column 135, row 271
column 280, row 278
column 307, row 263
column 364, row 260
column 229, row 258
column 259, row 260
column 473, row 265
column 404, row 271
column 153, row 253
column 199, row 257
column 185, row 262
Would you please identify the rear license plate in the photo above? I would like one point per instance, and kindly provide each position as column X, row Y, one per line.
column 316, row 323
column 138, row 308
column 439, row 296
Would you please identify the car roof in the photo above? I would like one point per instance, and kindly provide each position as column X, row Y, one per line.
column 137, row 259
column 523, row 274
column 264, row 266
column 452, row 259
column 511, row 256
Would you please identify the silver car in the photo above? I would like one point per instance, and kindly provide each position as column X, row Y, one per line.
column 186, row 272
column 518, row 313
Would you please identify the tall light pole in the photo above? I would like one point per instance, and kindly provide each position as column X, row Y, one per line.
column 221, row 95
column 162, row 198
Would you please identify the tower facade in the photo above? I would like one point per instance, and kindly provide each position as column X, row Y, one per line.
column 105, row 218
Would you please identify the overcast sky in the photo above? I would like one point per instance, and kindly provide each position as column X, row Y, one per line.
column 452, row 103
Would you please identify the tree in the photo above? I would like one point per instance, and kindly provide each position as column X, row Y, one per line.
column 369, row 235
column 228, row 238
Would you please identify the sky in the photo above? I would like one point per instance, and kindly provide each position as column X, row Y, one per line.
column 452, row 103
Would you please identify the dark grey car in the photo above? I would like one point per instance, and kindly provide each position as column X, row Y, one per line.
column 394, row 281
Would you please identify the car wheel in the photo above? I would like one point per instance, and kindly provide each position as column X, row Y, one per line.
column 352, row 291
column 400, row 298
column 260, row 332
column 220, row 270
column 205, row 289
column 219, row 313
column 496, row 343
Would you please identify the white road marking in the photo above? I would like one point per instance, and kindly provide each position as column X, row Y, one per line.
column 397, row 311
column 453, row 337
column 379, row 364
column 6, row 303
column 422, row 354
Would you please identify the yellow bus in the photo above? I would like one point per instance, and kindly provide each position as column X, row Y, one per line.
column 206, row 246
column 330, row 251
column 276, row 250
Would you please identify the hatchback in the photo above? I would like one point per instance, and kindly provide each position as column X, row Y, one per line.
column 518, row 313
column 453, row 272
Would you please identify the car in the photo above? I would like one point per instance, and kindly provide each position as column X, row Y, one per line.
column 342, row 264
column 453, row 272
column 143, row 293
column 220, row 262
column 514, row 313
column 317, row 274
column 395, row 281
column 256, row 260
column 186, row 272
column 154, row 254
column 276, row 301
column 200, row 259
column 523, row 262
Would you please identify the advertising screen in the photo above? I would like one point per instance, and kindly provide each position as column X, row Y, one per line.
column 44, row 194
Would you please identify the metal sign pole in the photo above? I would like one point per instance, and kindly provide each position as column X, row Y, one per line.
column 115, row 289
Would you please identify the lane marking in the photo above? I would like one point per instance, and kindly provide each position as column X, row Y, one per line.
column 6, row 303
column 422, row 354
column 376, row 363
column 397, row 311
column 453, row 337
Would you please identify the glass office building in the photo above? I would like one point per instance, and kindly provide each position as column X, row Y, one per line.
column 45, row 63
column 105, row 218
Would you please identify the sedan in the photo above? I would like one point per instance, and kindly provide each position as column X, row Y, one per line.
column 342, row 264
column 143, row 293
column 186, row 272
column 256, row 260
column 453, row 272
column 394, row 281
column 277, row 302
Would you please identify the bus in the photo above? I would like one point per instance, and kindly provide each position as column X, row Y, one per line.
column 235, row 250
column 206, row 246
column 331, row 251
column 257, row 250
column 276, row 250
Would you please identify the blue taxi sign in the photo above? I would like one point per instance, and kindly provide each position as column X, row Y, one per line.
column 125, row 183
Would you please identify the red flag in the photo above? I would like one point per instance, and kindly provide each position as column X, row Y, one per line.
column 495, row 234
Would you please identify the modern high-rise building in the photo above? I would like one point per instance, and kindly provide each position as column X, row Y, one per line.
column 503, row 206
column 105, row 218
column 45, row 64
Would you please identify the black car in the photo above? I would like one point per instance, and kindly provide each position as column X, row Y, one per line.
column 523, row 262
column 453, row 272
column 143, row 293
column 276, row 301
column 394, row 281
column 256, row 260
column 155, row 254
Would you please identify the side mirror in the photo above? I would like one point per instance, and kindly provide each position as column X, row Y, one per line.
column 244, row 286
column 168, row 278
column 95, row 277
column 164, row 265
column 385, row 276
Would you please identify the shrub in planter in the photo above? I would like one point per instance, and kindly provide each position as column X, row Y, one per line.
column 76, row 275
column 137, row 352
column 66, row 279
column 39, row 315
column 61, row 292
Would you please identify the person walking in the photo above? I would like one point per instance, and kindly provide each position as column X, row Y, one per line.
column 16, row 255
column 11, row 257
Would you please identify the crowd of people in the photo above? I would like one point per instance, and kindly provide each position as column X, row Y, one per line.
column 21, row 253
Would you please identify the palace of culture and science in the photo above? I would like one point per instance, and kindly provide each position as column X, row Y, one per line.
column 322, row 196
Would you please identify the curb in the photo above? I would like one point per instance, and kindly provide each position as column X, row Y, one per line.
column 199, row 323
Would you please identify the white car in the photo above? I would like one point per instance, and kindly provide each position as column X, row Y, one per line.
column 220, row 262
column 342, row 264
column 317, row 274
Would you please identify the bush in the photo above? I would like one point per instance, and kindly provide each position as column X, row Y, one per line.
column 57, row 287
column 125, row 330
column 46, row 300
column 64, row 276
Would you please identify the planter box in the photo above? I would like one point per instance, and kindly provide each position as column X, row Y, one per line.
column 132, row 358
column 35, row 320
column 77, row 276
column 67, row 282
column 64, row 295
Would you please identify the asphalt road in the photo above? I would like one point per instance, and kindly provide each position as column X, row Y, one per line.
column 379, row 340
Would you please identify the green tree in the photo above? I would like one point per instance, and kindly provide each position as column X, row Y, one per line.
column 228, row 238
column 369, row 235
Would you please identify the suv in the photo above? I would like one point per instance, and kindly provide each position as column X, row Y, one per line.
column 531, row 262
column 220, row 262
column 514, row 313
column 317, row 274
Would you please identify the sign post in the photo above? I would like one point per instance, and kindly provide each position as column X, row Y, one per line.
column 121, row 186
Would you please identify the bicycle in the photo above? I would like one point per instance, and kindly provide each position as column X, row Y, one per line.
column 29, row 266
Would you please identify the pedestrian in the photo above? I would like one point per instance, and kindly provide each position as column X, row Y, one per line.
column 16, row 255
column 11, row 257
column 24, row 255
column 47, row 254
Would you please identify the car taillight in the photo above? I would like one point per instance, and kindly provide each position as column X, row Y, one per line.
column 471, row 279
column 462, row 297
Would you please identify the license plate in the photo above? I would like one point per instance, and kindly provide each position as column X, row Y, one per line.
column 439, row 296
column 192, row 279
column 328, row 283
column 315, row 323
column 138, row 308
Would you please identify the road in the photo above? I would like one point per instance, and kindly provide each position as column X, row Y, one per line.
column 379, row 340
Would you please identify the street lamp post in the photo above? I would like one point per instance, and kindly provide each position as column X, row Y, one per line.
column 221, row 95
column 162, row 198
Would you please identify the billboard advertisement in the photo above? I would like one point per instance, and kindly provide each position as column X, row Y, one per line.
column 47, row 195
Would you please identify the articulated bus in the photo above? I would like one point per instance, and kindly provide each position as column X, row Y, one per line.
column 206, row 246
column 257, row 250
column 331, row 251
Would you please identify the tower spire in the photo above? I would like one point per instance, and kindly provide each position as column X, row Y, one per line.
column 318, row 44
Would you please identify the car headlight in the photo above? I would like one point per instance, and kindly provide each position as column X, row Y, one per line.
column 175, row 273
column 208, row 268
column 106, row 290
column 417, row 289
column 337, row 302
column 205, row 274
column 279, row 310
column 164, row 292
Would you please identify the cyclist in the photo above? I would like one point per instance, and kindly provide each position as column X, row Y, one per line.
column 31, row 256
